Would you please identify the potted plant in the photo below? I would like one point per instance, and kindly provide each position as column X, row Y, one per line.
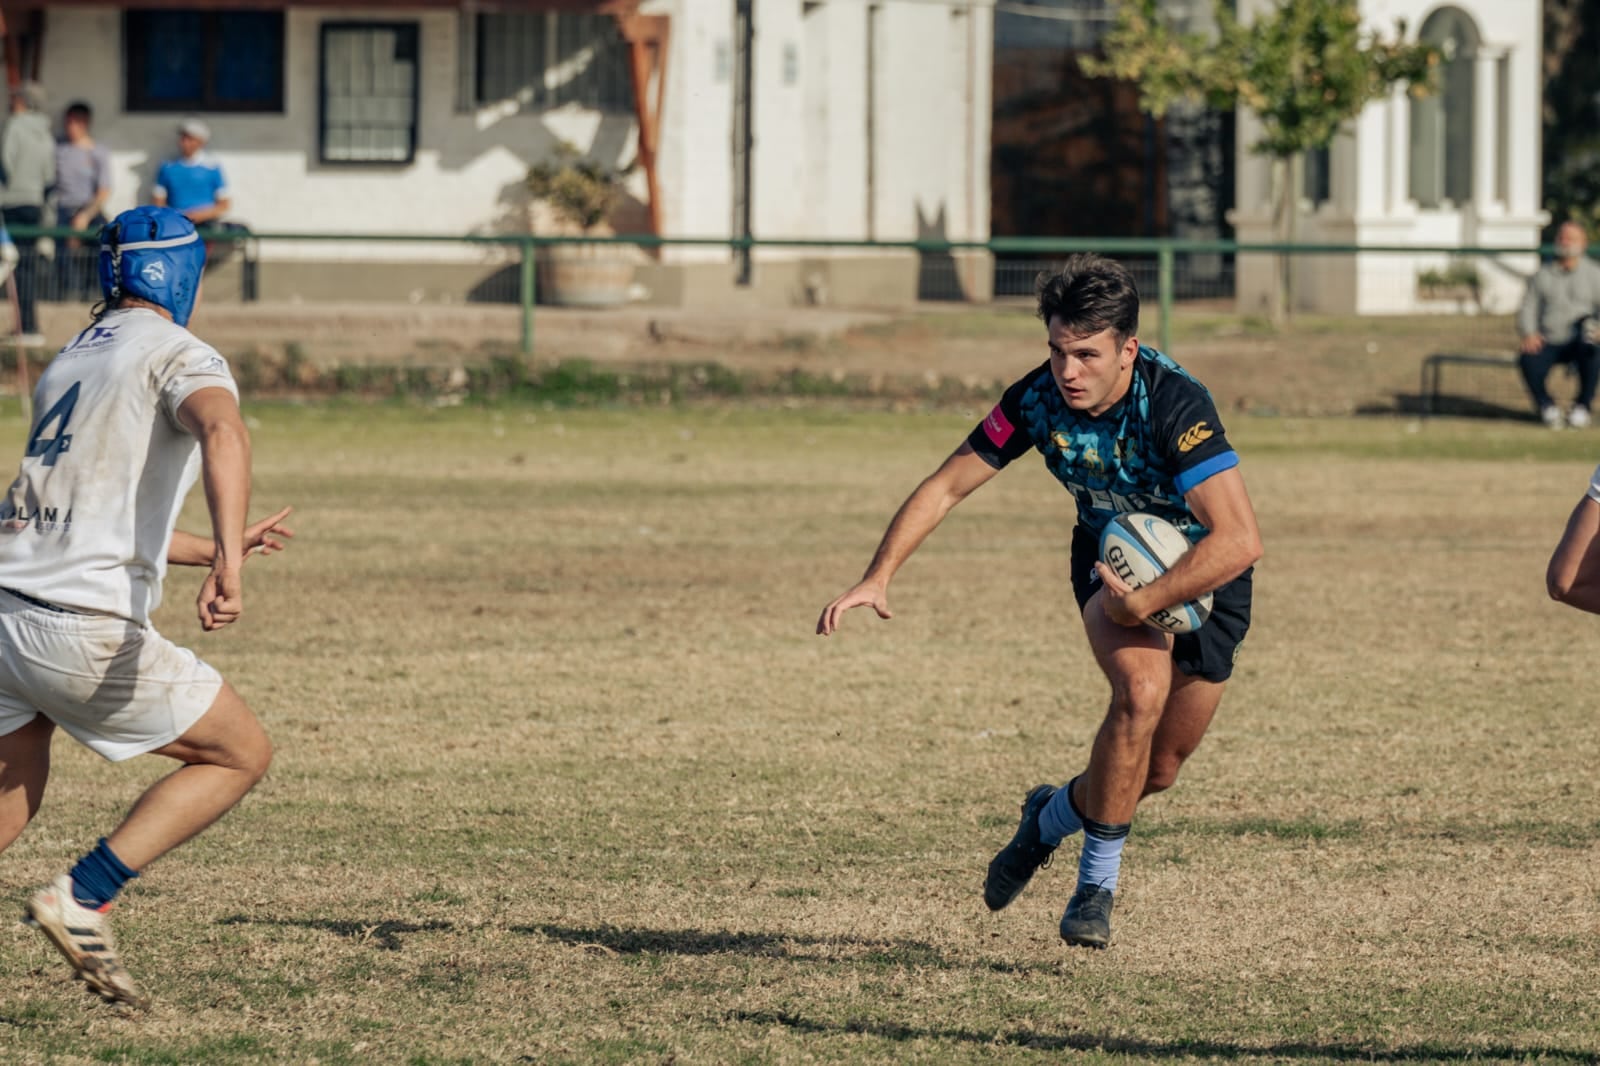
column 1458, row 281
column 578, row 195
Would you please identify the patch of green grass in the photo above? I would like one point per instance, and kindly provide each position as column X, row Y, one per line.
column 617, row 1051
column 798, row 892
column 448, row 978
column 237, row 1048
column 1407, row 439
column 438, row 894
column 1296, row 829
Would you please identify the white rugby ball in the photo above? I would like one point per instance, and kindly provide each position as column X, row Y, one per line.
column 1140, row 548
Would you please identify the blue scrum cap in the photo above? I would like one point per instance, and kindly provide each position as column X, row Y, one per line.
column 155, row 254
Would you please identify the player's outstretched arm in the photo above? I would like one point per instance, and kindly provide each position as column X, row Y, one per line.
column 923, row 510
column 1573, row 577
column 263, row 537
column 212, row 415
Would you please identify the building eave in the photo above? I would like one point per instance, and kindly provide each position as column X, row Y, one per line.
column 600, row 7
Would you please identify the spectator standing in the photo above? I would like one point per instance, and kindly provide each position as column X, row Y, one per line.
column 83, row 184
column 193, row 183
column 1562, row 298
column 28, row 154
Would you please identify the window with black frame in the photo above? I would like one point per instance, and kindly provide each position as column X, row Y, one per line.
column 369, row 79
column 544, row 60
column 187, row 60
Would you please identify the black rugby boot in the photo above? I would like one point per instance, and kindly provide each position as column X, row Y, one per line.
column 1010, row 871
column 1087, row 922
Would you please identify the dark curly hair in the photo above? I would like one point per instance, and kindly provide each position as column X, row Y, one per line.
column 1090, row 293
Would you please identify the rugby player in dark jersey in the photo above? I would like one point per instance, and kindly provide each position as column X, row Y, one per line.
column 1124, row 429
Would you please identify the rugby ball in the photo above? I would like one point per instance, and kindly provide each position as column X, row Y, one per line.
column 1139, row 548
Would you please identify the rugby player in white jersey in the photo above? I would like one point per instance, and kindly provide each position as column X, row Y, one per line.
column 127, row 415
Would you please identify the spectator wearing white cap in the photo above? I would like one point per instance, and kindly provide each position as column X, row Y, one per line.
column 193, row 183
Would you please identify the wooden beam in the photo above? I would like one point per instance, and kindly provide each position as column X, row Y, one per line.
column 12, row 26
column 596, row 7
column 35, row 60
column 647, row 37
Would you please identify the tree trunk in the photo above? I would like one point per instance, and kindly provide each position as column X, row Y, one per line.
column 1294, row 182
column 1283, row 227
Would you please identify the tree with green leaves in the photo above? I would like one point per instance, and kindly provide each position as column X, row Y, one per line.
column 1305, row 67
column 1571, row 114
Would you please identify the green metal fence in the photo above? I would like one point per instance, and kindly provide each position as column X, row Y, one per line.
column 399, row 267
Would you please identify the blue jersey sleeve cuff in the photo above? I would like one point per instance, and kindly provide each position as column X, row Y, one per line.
column 1191, row 477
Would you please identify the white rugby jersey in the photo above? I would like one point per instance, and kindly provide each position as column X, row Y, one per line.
column 88, row 521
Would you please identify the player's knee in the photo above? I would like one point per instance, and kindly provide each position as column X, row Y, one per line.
column 1139, row 697
column 252, row 756
column 260, row 759
column 1163, row 773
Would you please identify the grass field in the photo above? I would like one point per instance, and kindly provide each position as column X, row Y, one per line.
column 563, row 774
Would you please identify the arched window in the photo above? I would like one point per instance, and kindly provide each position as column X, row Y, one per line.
column 1441, row 124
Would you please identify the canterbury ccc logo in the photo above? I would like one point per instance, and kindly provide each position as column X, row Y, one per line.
column 1194, row 436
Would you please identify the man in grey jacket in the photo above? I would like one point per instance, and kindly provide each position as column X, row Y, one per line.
column 1558, row 323
column 28, row 153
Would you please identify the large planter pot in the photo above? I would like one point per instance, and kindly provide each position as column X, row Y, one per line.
column 585, row 275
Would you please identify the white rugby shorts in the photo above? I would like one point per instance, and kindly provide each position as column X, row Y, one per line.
column 119, row 688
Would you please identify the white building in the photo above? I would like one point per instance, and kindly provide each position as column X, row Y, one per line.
column 867, row 121
column 1458, row 169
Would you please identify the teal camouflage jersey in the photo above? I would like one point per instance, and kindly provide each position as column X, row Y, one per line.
column 1144, row 454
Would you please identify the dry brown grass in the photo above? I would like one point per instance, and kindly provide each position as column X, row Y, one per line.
column 564, row 776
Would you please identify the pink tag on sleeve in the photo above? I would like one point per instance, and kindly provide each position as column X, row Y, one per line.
column 998, row 427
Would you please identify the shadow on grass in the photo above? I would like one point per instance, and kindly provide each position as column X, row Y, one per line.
column 1158, row 1049
column 794, row 947
column 384, row 935
column 1446, row 405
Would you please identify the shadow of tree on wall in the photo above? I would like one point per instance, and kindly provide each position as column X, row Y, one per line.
column 937, row 275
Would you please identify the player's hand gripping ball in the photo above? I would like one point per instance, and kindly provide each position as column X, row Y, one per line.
column 1140, row 548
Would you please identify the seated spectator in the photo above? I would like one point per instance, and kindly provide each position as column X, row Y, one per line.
column 83, row 184
column 1557, row 325
column 193, row 183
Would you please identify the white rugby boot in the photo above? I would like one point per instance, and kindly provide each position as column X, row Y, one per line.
column 83, row 935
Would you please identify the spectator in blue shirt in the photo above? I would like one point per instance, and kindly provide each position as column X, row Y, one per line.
column 193, row 183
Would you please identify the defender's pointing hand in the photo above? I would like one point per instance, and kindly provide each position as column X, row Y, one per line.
column 268, row 535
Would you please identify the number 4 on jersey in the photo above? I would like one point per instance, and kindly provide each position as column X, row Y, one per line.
column 50, row 450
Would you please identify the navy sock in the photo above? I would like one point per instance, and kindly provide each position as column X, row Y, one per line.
column 99, row 876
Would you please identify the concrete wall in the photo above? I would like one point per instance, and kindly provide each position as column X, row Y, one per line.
column 469, row 165
column 1371, row 202
column 928, row 148
column 850, row 144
